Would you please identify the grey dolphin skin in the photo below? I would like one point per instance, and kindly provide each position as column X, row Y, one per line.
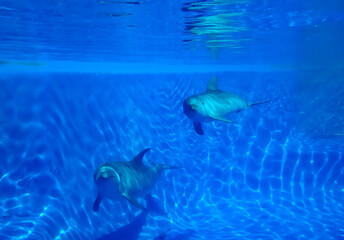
column 130, row 180
column 212, row 105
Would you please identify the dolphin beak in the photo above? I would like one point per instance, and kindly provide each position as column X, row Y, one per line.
column 187, row 107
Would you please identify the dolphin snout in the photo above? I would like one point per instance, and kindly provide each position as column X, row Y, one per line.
column 187, row 108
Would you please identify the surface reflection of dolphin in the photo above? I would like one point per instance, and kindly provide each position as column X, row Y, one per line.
column 132, row 230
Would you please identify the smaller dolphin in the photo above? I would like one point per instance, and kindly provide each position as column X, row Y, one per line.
column 132, row 179
column 213, row 105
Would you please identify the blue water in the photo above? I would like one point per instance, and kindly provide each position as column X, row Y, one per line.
column 255, row 180
column 85, row 82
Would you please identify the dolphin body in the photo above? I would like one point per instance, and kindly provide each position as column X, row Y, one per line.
column 132, row 179
column 213, row 105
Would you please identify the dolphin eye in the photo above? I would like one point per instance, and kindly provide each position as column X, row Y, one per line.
column 202, row 103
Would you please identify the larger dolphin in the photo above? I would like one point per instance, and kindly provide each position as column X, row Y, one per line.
column 118, row 180
column 213, row 104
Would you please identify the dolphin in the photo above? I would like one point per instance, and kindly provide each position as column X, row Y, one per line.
column 129, row 180
column 213, row 104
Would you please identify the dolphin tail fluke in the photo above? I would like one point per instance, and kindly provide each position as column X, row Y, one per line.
column 198, row 128
column 97, row 202
column 160, row 167
column 258, row 103
column 163, row 166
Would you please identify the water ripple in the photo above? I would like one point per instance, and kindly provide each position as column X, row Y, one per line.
column 253, row 180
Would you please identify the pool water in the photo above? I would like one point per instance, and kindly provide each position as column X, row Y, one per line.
column 93, row 81
column 255, row 179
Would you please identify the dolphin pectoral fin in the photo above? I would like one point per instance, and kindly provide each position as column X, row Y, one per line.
column 221, row 119
column 212, row 85
column 130, row 198
column 97, row 202
column 198, row 128
column 133, row 201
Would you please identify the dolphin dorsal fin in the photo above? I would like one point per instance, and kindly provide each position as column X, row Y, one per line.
column 138, row 158
column 212, row 85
